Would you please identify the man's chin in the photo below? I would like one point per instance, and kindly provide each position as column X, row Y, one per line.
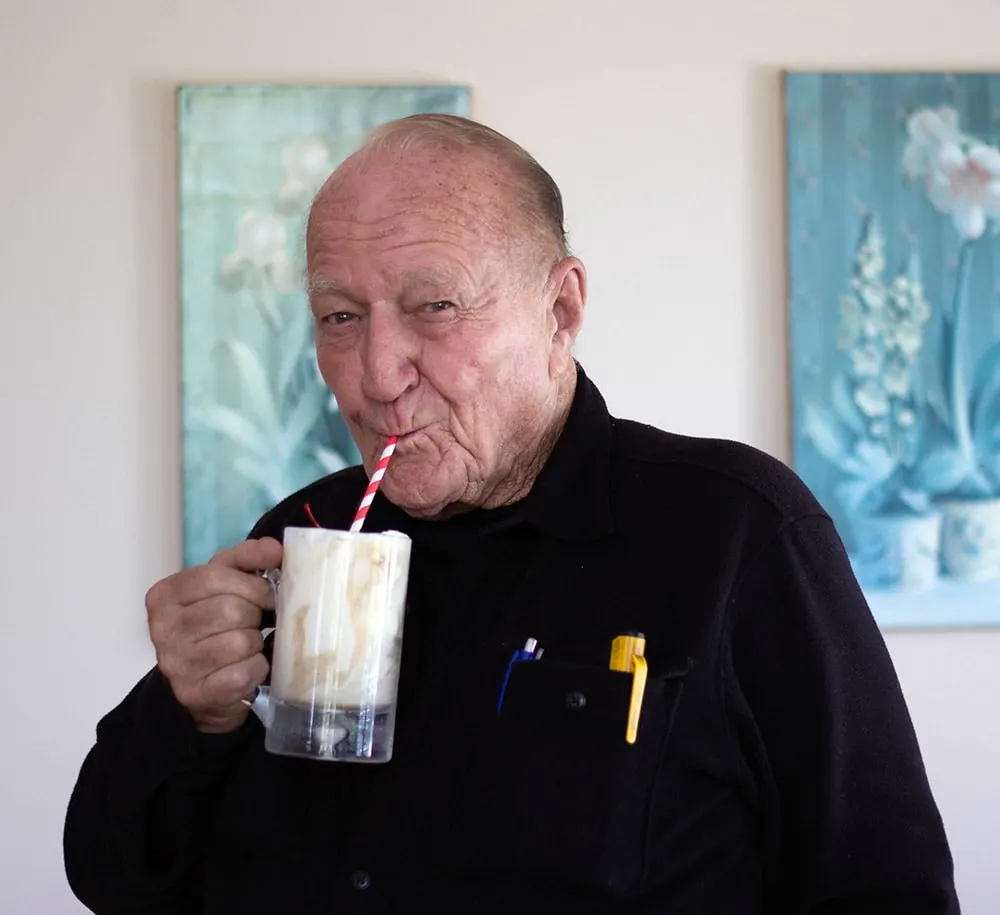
column 414, row 493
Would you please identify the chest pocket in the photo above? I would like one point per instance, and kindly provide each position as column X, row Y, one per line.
column 553, row 791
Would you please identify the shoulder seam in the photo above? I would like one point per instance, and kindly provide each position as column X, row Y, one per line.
column 778, row 532
column 713, row 471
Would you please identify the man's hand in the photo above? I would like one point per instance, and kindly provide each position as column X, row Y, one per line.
column 205, row 626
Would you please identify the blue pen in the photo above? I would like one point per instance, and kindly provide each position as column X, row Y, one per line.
column 530, row 652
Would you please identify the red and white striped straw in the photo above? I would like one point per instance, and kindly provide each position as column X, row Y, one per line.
column 373, row 484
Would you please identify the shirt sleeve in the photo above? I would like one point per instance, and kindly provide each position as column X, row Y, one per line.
column 145, row 801
column 143, row 804
column 850, row 823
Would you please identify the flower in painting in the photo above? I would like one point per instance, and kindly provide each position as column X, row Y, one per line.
column 260, row 237
column 907, row 299
column 233, row 271
column 866, row 360
column 897, row 379
column 961, row 175
column 872, row 398
column 873, row 296
column 285, row 274
column 850, row 322
column 905, row 336
column 307, row 165
column 879, row 429
column 966, row 184
column 862, row 308
column 871, row 257
column 928, row 130
column 260, row 253
column 292, row 199
column 882, row 368
column 881, row 329
column 904, row 331
column 872, row 326
column 307, row 160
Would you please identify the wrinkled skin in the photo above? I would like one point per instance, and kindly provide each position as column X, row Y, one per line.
column 436, row 320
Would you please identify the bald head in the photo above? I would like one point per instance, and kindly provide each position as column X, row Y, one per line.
column 456, row 155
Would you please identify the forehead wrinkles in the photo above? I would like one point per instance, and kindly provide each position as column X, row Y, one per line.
column 477, row 232
column 439, row 185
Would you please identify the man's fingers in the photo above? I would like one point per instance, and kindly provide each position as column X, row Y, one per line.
column 230, row 647
column 230, row 571
column 220, row 614
column 250, row 555
column 205, row 625
column 198, row 584
column 228, row 685
column 197, row 661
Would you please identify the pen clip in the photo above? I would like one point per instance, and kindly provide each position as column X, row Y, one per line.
column 639, row 674
column 530, row 652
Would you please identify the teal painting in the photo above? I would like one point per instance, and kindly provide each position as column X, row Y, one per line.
column 893, row 196
column 258, row 421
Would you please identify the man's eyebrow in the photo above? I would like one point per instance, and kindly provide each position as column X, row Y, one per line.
column 323, row 285
column 433, row 275
column 446, row 280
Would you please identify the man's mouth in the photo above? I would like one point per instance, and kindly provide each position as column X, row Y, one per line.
column 403, row 436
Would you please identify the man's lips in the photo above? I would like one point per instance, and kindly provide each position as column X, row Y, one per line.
column 402, row 436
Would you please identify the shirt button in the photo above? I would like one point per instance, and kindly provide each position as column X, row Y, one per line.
column 361, row 880
column 576, row 699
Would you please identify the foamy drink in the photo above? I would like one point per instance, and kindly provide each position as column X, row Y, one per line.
column 338, row 642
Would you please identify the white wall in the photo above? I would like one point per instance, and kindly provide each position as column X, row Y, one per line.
column 662, row 123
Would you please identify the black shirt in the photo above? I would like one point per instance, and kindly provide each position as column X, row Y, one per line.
column 775, row 771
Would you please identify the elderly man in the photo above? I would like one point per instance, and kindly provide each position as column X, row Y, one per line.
column 775, row 768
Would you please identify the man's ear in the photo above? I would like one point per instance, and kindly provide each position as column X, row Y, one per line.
column 568, row 296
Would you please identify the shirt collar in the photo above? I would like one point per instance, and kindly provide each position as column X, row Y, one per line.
column 571, row 498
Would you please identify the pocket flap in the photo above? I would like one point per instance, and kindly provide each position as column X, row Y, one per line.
column 585, row 700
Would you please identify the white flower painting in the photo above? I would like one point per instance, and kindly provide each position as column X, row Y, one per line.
column 258, row 421
column 961, row 175
column 894, row 212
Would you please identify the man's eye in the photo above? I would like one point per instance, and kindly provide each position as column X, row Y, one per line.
column 438, row 307
column 338, row 317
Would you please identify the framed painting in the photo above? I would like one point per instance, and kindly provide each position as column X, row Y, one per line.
column 894, row 332
column 258, row 422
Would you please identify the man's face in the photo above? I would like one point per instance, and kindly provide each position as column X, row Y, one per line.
column 431, row 327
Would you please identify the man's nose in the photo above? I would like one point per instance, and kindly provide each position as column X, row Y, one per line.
column 389, row 350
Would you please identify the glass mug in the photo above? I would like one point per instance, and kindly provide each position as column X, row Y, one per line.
column 338, row 639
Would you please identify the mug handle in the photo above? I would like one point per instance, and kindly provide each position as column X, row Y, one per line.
column 260, row 705
column 272, row 577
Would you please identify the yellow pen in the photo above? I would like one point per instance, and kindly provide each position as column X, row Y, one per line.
column 628, row 652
